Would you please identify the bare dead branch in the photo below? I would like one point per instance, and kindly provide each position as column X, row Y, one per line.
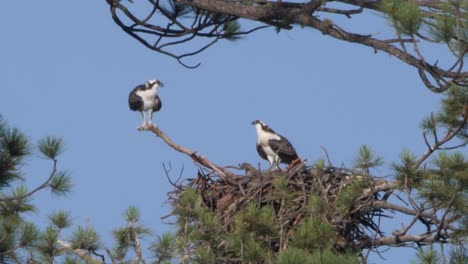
column 192, row 154
column 396, row 241
column 326, row 155
column 454, row 147
column 404, row 230
column 176, row 182
column 401, row 209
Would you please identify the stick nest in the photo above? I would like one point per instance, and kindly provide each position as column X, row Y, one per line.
column 340, row 196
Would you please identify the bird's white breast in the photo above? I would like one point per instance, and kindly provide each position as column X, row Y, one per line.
column 264, row 136
column 262, row 140
column 148, row 98
column 269, row 152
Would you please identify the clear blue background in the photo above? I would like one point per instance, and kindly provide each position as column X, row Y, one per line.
column 66, row 70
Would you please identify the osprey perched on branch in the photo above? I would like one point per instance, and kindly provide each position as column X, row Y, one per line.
column 144, row 98
column 273, row 147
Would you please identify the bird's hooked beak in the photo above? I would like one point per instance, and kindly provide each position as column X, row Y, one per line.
column 257, row 122
column 161, row 84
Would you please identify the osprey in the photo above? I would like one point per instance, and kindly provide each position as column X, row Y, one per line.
column 273, row 147
column 144, row 98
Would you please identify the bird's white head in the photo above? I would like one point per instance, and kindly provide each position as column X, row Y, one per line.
column 260, row 126
column 154, row 84
column 264, row 132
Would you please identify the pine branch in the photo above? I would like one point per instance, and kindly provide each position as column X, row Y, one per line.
column 450, row 133
column 38, row 188
column 396, row 241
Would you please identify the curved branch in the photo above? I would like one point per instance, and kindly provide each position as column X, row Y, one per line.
column 205, row 162
column 38, row 188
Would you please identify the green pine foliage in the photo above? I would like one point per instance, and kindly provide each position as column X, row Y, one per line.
column 445, row 184
column 450, row 26
column 453, row 109
column 459, row 254
column 72, row 260
column 129, row 237
column 61, row 183
column 14, row 147
column 258, row 221
column 60, row 219
column 47, row 247
column 317, row 205
column 85, row 238
column 447, row 24
column 204, row 255
column 405, row 15
column 429, row 256
column 406, row 173
column 51, row 147
column 314, row 234
column 230, row 29
column 348, row 197
column 21, row 239
column 282, row 191
column 443, row 29
column 367, row 159
column 177, row 9
column 451, row 116
column 163, row 249
column 442, row 180
column 293, row 255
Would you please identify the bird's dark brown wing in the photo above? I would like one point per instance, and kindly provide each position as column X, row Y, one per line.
column 284, row 149
column 261, row 152
column 134, row 101
column 158, row 104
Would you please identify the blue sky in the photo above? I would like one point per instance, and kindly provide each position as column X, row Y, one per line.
column 66, row 70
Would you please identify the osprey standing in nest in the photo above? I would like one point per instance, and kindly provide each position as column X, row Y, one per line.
column 144, row 98
column 273, row 147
